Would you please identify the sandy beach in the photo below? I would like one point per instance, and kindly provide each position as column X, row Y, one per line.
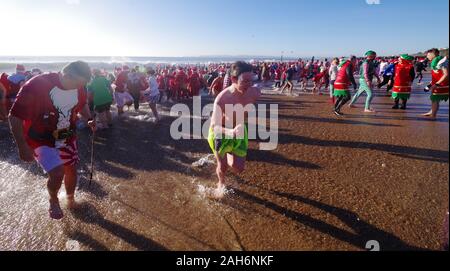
column 332, row 184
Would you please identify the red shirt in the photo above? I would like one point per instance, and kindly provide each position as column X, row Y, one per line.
column 36, row 108
column 161, row 81
column 217, row 84
column 121, row 81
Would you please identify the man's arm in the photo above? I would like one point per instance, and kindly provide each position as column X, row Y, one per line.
column 366, row 73
column 25, row 152
column 444, row 77
column 377, row 76
column 85, row 112
column 217, row 125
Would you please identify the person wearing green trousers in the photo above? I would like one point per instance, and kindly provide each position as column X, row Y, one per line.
column 367, row 72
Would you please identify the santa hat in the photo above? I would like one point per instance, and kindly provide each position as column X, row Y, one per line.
column 20, row 68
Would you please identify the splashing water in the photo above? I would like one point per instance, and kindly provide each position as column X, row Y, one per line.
column 207, row 160
column 215, row 193
column 143, row 118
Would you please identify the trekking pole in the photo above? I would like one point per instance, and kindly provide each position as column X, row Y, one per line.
column 92, row 158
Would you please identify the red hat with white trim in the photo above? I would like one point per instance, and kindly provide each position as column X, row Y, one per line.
column 20, row 68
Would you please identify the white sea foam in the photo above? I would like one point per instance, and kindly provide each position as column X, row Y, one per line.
column 204, row 161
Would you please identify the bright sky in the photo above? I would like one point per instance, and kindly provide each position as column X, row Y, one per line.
column 219, row 27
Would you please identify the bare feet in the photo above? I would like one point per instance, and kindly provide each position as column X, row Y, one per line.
column 71, row 203
column 370, row 110
column 429, row 114
column 218, row 193
column 55, row 211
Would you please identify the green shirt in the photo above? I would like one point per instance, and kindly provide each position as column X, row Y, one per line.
column 100, row 88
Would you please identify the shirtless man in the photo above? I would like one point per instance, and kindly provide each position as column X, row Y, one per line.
column 228, row 135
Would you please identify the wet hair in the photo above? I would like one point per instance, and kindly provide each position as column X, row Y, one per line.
column 78, row 68
column 434, row 51
column 239, row 68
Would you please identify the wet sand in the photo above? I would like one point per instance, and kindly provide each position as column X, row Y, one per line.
column 333, row 183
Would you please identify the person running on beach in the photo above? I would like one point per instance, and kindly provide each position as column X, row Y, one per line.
column 181, row 80
column 277, row 77
column 319, row 80
column 228, row 135
column 16, row 81
column 344, row 79
column 152, row 94
column 194, row 84
column 134, row 87
column 382, row 67
column 310, row 74
column 332, row 73
column 217, row 85
column 403, row 78
column 289, row 77
column 102, row 96
column 367, row 72
column 43, row 123
column 388, row 77
column 4, row 88
column 421, row 66
column 122, row 96
column 439, row 85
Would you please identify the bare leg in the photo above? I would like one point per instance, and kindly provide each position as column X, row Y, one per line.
column 222, row 168
column 155, row 111
column 108, row 117
column 237, row 164
column 53, row 185
column 434, row 109
column 70, row 182
column 120, row 109
column 102, row 119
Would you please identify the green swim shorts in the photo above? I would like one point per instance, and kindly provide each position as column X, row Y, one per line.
column 222, row 146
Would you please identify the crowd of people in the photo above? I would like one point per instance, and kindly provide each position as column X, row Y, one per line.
column 43, row 108
column 130, row 87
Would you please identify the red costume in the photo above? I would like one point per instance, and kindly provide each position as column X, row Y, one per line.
column 194, row 84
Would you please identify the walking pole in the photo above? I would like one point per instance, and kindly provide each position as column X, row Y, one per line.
column 92, row 156
column 92, row 159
